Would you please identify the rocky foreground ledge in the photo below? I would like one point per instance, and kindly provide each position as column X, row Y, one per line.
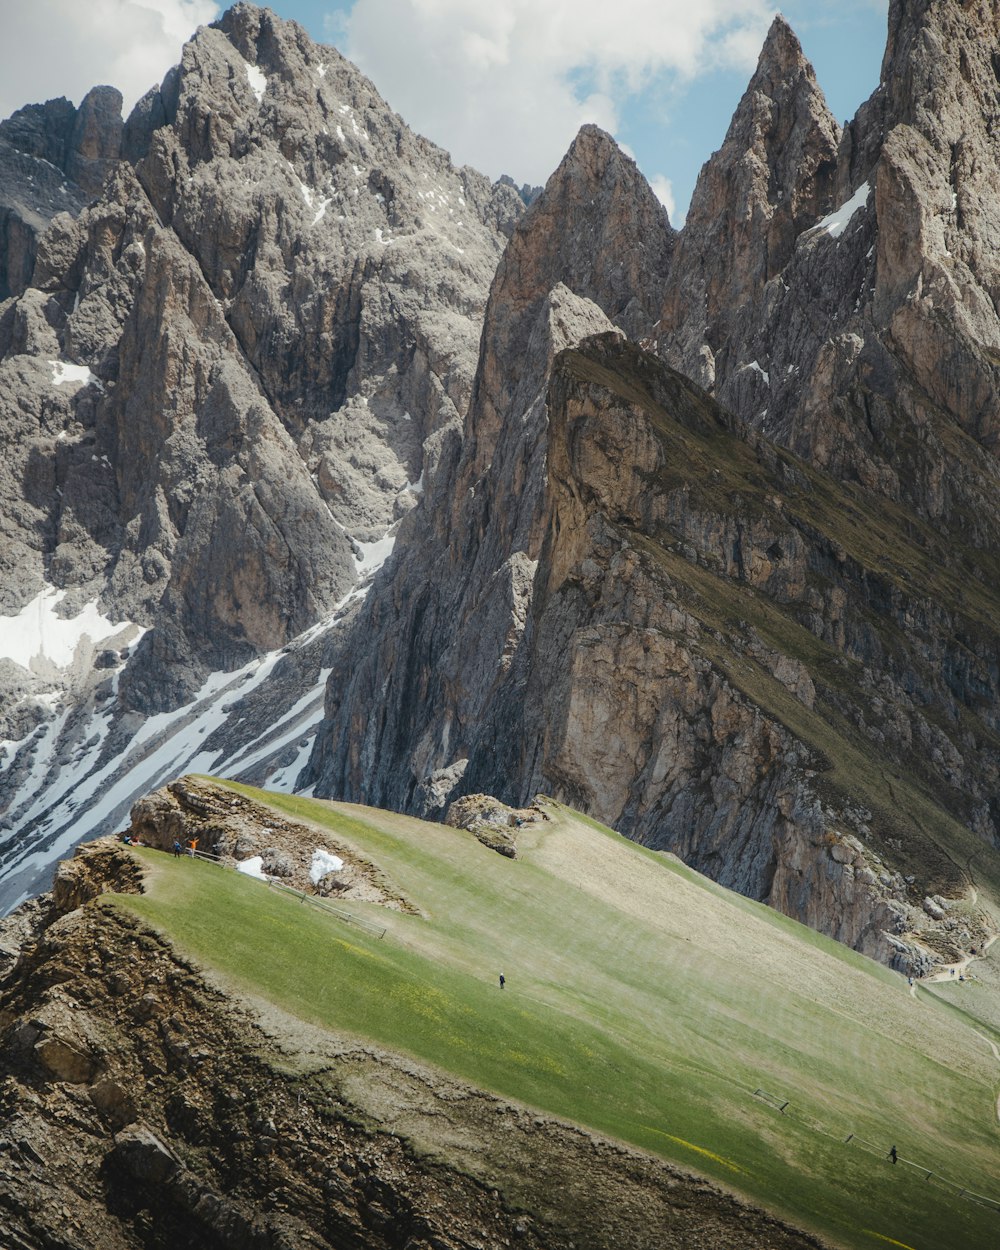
column 142, row 1106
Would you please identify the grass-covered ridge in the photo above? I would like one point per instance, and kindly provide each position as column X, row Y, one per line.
column 640, row 1001
column 919, row 599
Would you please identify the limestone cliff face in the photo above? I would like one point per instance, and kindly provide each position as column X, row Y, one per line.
column 761, row 635
column 432, row 685
column 676, row 689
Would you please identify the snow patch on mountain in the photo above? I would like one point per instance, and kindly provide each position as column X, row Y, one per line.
column 257, row 81
column 837, row 222
column 322, row 863
column 83, row 793
column 63, row 373
column 38, row 632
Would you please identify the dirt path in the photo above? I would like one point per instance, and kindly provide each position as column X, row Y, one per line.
column 951, row 972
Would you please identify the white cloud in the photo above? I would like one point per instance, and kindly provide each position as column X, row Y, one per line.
column 505, row 84
column 663, row 189
column 65, row 47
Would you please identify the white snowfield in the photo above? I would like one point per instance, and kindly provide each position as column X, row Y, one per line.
column 257, row 81
column 756, row 367
column 322, row 863
column 63, row 372
column 39, row 633
column 374, row 555
column 253, row 867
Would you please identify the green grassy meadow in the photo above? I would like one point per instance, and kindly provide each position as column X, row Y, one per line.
column 641, row 1001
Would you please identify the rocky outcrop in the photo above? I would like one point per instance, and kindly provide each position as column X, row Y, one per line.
column 224, row 824
column 690, row 708
column 494, row 823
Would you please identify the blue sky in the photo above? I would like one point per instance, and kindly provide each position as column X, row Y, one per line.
column 502, row 84
column 671, row 114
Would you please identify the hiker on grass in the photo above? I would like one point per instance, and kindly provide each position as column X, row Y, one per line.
column 177, row 849
column 503, row 980
column 892, row 1154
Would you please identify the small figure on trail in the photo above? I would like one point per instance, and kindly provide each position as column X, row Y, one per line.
column 952, row 971
column 909, row 980
column 892, row 1154
column 503, row 980
column 192, row 847
column 126, row 840
column 177, row 849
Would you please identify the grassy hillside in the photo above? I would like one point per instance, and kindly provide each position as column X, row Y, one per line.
column 641, row 1001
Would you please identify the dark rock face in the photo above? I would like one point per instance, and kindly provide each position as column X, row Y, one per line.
column 44, row 131
column 96, row 141
column 428, row 693
column 224, row 382
column 53, row 158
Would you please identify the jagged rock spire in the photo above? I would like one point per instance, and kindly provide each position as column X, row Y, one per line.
column 592, row 249
column 599, row 230
column 579, row 231
column 774, row 173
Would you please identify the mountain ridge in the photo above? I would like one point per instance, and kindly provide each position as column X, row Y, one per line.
column 309, row 1079
column 319, row 410
column 267, row 324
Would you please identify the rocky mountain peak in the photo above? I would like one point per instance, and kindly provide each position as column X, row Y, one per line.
column 598, row 193
column 598, row 229
column 940, row 71
column 41, row 130
column 96, row 140
column 781, row 56
column 937, row 283
column 773, row 176
column 781, row 146
column 231, row 375
column 53, row 159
